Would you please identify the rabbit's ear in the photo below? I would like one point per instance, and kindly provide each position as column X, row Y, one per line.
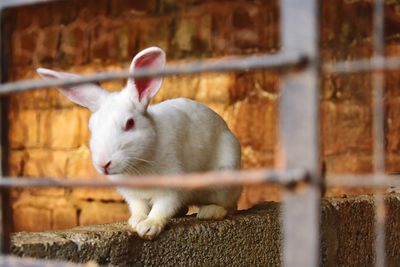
column 144, row 89
column 89, row 95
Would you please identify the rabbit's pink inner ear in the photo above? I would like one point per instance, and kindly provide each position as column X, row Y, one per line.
column 148, row 59
column 142, row 86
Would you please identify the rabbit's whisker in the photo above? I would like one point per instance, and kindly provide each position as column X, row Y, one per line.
column 144, row 160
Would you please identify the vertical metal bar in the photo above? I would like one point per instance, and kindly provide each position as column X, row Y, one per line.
column 299, row 129
column 379, row 131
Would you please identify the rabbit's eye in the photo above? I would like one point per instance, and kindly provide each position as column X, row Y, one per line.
column 129, row 124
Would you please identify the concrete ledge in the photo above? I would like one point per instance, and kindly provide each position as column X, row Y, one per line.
column 249, row 238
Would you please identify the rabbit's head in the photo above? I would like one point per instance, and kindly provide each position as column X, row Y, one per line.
column 123, row 136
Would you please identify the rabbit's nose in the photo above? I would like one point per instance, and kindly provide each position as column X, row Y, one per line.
column 106, row 166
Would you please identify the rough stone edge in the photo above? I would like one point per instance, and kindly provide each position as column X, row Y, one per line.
column 250, row 237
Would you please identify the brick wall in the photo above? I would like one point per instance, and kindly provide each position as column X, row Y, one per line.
column 48, row 135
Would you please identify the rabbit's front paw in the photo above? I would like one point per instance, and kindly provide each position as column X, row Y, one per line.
column 136, row 219
column 150, row 228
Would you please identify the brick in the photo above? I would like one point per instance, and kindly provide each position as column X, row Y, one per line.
column 49, row 192
column 23, row 129
column 219, row 108
column 35, row 99
column 172, row 7
column 192, row 34
column 122, row 41
column 393, row 125
column 84, row 128
column 64, row 218
column 103, row 41
column 134, row 35
column 215, row 88
column 246, row 25
column 15, row 163
column 80, row 165
column 60, row 129
column 23, row 46
column 24, row 18
column 222, row 31
column 92, row 9
column 392, row 18
column 43, row 15
column 28, row 40
column 31, row 219
column 74, row 45
column 155, row 32
column 45, row 163
column 341, row 38
column 259, row 132
column 254, row 84
column 101, row 194
column 270, row 39
column 15, row 194
column 253, row 195
column 52, row 98
column 40, row 198
column 126, row 7
column 39, row 99
column 354, row 88
column 35, row 196
column 392, row 49
column 349, row 163
column 347, row 192
column 29, row 197
column 64, row 12
column 354, row 52
column 173, row 87
column 346, row 127
column 48, row 41
column 392, row 81
column 100, row 213
column 115, row 86
column 242, row 19
column 252, row 158
column 393, row 163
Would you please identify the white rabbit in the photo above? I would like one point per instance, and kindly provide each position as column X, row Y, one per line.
column 129, row 137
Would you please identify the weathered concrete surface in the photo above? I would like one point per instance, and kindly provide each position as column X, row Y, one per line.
column 249, row 238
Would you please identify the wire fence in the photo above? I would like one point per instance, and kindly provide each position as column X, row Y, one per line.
column 300, row 67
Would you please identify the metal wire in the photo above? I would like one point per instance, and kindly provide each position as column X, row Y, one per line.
column 367, row 180
column 376, row 63
column 199, row 180
column 279, row 62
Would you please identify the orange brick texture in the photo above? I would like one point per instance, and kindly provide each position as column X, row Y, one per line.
column 48, row 135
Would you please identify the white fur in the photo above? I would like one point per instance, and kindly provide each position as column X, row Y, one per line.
column 173, row 137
